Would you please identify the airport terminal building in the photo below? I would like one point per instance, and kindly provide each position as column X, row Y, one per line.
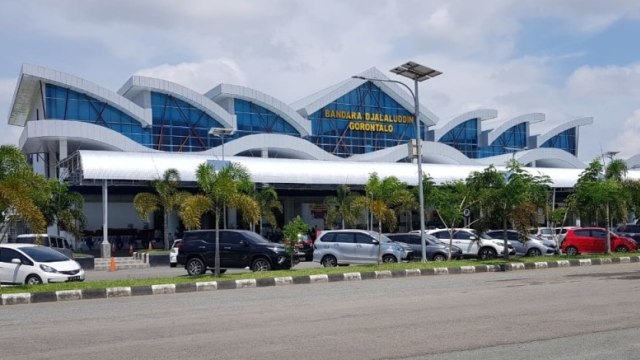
column 109, row 145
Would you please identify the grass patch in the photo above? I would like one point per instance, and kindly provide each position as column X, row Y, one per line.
column 101, row 284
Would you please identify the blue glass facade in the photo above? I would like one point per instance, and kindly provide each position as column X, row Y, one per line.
column 254, row 119
column 565, row 140
column 514, row 138
column 179, row 126
column 65, row 104
column 361, row 121
column 464, row 137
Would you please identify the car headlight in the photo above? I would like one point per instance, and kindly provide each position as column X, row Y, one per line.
column 399, row 248
column 48, row 268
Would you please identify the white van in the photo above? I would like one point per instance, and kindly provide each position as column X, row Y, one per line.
column 53, row 241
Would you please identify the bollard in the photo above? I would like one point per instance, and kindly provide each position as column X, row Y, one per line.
column 150, row 246
column 112, row 264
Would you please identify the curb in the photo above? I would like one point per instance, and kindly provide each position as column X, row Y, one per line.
column 71, row 295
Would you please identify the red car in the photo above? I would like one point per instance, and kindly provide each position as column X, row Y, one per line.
column 594, row 240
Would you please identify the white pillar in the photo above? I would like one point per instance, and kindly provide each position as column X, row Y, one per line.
column 106, row 247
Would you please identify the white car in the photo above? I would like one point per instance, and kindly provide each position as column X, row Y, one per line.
column 472, row 244
column 173, row 253
column 36, row 264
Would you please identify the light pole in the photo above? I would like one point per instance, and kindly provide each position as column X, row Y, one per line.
column 417, row 73
column 221, row 133
column 610, row 155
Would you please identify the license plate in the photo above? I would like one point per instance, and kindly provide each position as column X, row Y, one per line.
column 73, row 278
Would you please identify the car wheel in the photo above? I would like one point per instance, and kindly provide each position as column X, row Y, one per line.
column 260, row 264
column 487, row 253
column 389, row 259
column 571, row 251
column 33, row 280
column 439, row 257
column 534, row 252
column 195, row 267
column 329, row 261
column 172, row 264
column 622, row 249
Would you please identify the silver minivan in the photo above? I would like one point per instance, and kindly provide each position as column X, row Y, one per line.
column 57, row 243
column 353, row 246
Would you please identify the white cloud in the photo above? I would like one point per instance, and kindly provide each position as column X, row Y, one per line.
column 291, row 49
column 628, row 134
column 8, row 134
column 200, row 76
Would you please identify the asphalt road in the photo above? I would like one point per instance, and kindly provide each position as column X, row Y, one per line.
column 570, row 313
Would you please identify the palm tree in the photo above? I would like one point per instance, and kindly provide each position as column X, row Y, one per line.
column 225, row 187
column 267, row 199
column 383, row 195
column 20, row 191
column 343, row 206
column 64, row 209
column 168, row 198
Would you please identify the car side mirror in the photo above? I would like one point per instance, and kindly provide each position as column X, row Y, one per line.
column 244, row 243
column 16, row 261
column 473, row 238
column 375, row 242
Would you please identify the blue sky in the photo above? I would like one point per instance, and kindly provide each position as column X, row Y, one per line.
column 567, row 59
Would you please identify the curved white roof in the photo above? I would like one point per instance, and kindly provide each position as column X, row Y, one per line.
column 85, row 135
column 29, row 87
column 633, row 162
column 545, row 131
column 138, row 83
column 223, row 91
column 482, row 114
column 545, row 157
column 292, row 146
column 109, row 165
column 317, row 101
column 432, row 152
column 501, row 127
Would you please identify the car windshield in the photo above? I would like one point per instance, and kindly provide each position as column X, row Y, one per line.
column 432, row 239
column 485, row 236
column 43, row 254
column 546, row 231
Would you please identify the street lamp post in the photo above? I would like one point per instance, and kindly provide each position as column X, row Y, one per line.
column 417, row 73
column 221, row 133
column 610, row 155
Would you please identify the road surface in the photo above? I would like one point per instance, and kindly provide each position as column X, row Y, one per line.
column 569, row 313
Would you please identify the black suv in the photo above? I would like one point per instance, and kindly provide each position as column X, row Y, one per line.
column 238, row 249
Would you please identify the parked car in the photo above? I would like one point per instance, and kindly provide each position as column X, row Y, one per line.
column 57, row 243
column 31, row 264
column 531, row 246
column 238, row 249
column 472, row 244
column 594, row 240
column 561, row 232
column 434, row 248
column 344, row 247
column 544, row 233
column 173, row 252
column 305, row 248
column 629, row 230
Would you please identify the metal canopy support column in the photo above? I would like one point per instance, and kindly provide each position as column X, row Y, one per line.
column 106, row 247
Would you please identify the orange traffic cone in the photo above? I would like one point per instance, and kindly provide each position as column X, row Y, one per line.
column 131, row 250
column 150, row 246
column 112, row 264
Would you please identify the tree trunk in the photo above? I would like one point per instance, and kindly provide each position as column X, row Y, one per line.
column 217, row 256
column 504, row 237
column 165, row 228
